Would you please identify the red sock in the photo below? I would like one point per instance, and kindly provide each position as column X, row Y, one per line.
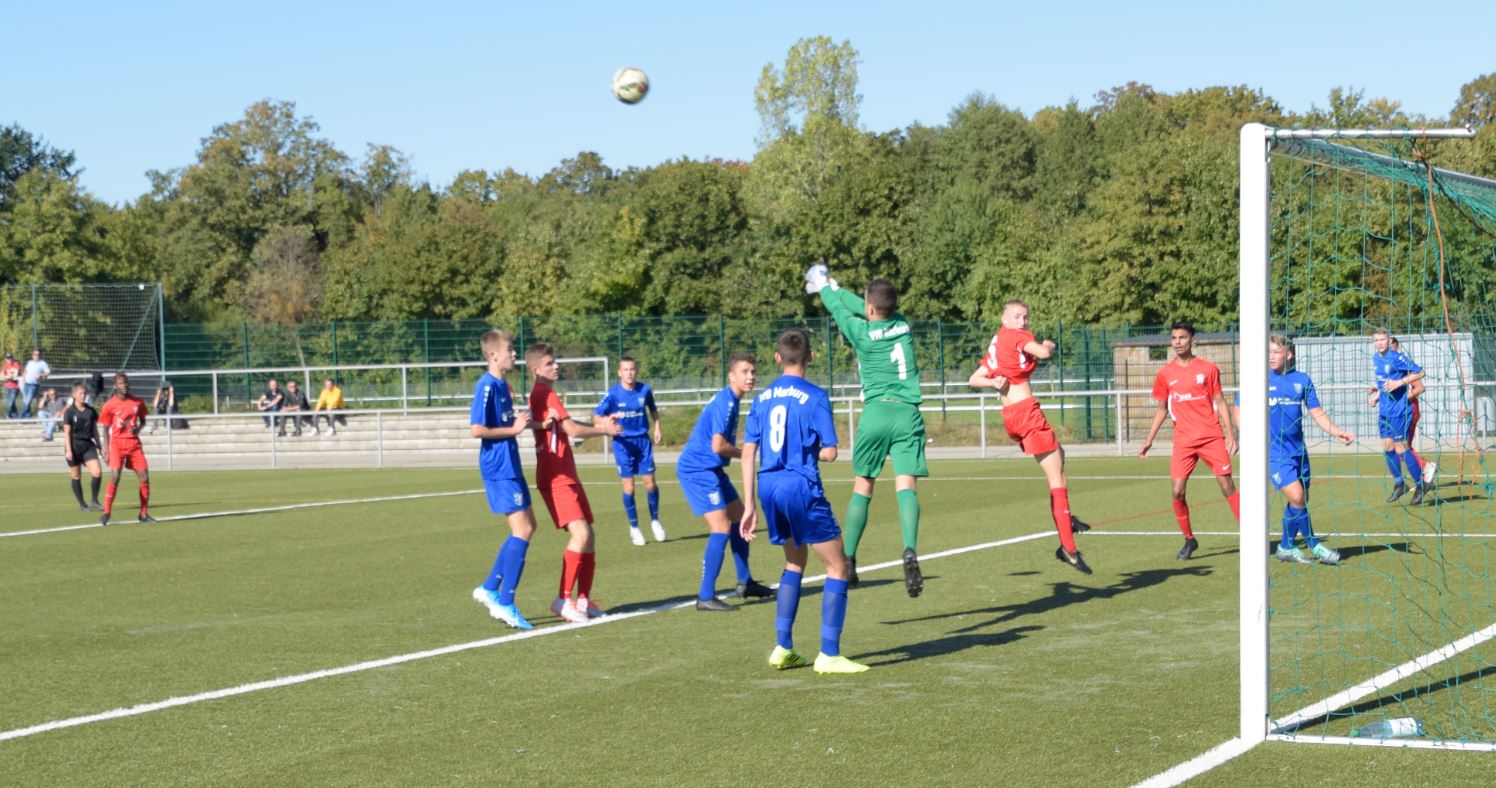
column 585, row 574
column 109, row 497
column 1059, row 507
column 1235, row 500
column 1182, row 514
column 145, row 498
column 570, row 561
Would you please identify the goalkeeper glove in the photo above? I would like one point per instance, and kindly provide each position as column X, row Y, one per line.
column 817, row 278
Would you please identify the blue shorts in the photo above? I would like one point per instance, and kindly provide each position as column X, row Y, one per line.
column 634, row 455
column 507, row 496
column 796, row 509
column 1395, row 425
column 706, row 491
column 1287, row 470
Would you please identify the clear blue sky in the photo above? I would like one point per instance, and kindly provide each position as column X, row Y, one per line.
column 131, row 87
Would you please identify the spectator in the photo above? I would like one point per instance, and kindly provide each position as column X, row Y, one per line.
column 296, row 401
column 49, row 409
column 330, row 400
column 36, row 371
column 271, row 402
column 165, row 407
column 10, row 372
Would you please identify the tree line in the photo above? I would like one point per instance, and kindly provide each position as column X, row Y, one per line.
column 1123, row 210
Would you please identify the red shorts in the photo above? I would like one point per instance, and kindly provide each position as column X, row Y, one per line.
column 1213, row 452
column 567, row 503
column 1028, row 428
column 132, row 457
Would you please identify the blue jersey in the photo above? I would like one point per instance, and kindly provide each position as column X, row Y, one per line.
column 493, row 406
column 633, row 408
column 791, row 422
column 1393, row 365
column 719, row 417
column 1288, row 395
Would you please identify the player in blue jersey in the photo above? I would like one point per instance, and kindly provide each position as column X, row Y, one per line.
column 496, row 423
column 1395, row 373
column 1289, row 393
column 791, row 420
column 633, row 403
column 710, row 493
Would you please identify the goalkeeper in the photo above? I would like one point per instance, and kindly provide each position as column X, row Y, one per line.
column 891, row 423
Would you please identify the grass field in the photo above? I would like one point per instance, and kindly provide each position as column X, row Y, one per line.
column 1010, row 669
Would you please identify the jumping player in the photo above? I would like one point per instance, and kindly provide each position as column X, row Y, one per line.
column 1011, row 358
column 80, row 442
column 121, row 418
column 891, row 423
column 559, row 485
column 496, row 423
column 791, row 419
column 711, row 494
column 1188, row 390
column 633, row 404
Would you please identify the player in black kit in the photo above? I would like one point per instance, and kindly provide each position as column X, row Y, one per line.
column 80, row 432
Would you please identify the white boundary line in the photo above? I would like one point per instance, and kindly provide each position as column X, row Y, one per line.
column 237, row 512
column 286, row 681
column 1197, row 765
column 1411, row 744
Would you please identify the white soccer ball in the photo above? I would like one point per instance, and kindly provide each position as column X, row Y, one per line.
column 630, row 85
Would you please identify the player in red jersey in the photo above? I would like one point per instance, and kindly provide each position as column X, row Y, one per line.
column 1188, row 390
column 1010, row 359
column 120, row 420
column 559, row 485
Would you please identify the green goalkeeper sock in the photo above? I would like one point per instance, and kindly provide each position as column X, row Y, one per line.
column 856, row 523
column 909, row 517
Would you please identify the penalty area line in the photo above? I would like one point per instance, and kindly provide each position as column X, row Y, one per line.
column 302, row 678
column 240, row 512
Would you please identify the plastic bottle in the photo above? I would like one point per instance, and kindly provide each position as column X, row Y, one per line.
column 1399, row 728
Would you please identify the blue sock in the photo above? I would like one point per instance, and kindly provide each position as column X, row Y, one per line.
column 497, row 572
column 1306, row 528
column 630, row 510
column 514, row 566
column 833, row 615
column 739, row 554
column 711, row 565
column 1293, row 524
column 1392, row 466
column 1411, row 460
column 788, row 604
column 654, row 503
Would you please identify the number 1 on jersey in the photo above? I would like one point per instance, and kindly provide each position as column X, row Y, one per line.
column 897, row 357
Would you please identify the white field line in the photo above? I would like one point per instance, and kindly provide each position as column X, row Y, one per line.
column 286, row 681
column 1382, row 681
column 236, row 512
column 1197, row 765
column 1412, row 744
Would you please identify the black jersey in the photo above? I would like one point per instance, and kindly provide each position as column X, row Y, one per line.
column 82, row 421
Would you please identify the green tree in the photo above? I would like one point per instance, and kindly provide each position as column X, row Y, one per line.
column 51, row 231
column 1476, row 105
column 21, row 152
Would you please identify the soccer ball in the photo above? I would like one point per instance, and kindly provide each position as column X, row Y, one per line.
column 630, row 85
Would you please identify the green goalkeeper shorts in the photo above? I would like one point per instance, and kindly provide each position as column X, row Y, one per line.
column 890, row 429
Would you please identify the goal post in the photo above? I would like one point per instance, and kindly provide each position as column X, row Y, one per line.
column 1409, row 616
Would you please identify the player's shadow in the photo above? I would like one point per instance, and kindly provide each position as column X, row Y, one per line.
column 946, row 645
column 1445, row 500
column 1063, row 594
column 1353, row 551
column 1369, row 706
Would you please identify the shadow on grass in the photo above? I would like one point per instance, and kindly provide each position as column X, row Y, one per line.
column 942, row 646
column 1063, row 595
column 1391, row 698
column 1359, row 550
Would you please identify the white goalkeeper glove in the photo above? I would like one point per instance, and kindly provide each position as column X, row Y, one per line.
column 817, row 278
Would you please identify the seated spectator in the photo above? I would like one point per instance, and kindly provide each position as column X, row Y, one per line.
column 296, row 401
column 271, row 402
column 330, row 400
column 165, row 406
column 49, row 410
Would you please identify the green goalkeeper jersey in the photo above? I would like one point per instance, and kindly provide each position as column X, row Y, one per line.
column 885, row 348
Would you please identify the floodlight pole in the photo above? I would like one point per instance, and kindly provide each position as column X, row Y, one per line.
column 1252, row 553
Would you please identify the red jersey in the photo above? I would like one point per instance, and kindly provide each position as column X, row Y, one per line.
column 1006, row 356
column 555, row 462
column 1191, row 391
column 121, row 417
